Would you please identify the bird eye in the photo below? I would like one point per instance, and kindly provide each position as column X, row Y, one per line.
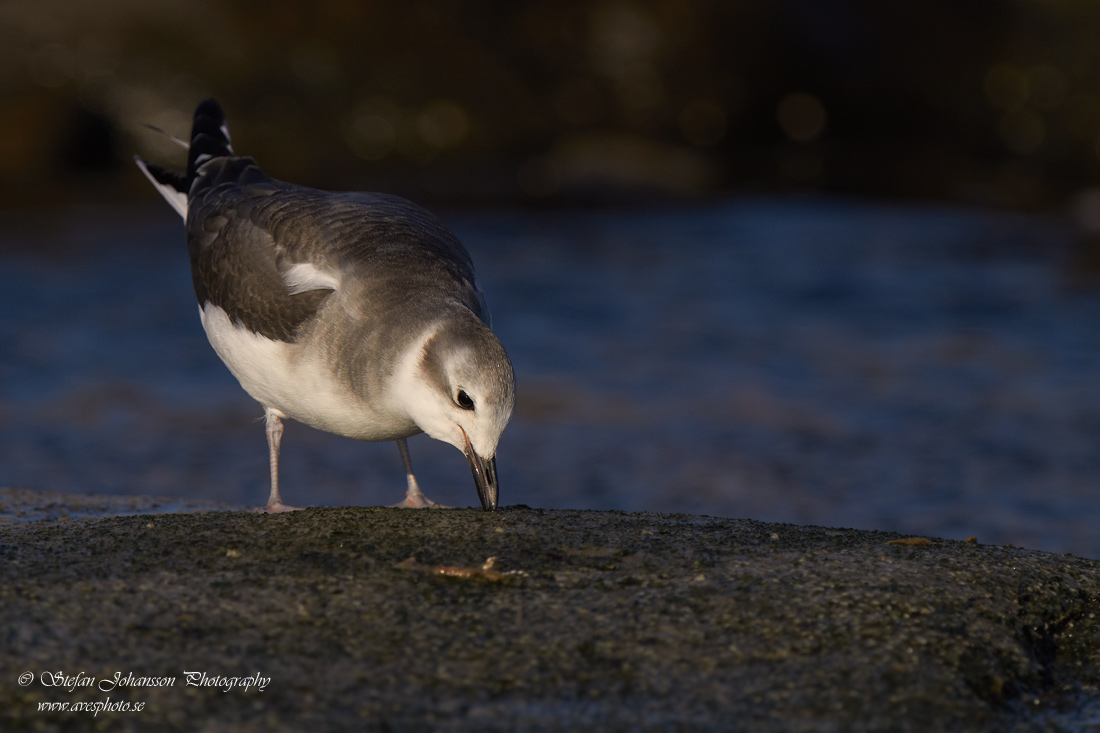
column 464, row 400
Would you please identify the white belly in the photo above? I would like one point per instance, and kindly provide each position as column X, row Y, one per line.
column 298, row 383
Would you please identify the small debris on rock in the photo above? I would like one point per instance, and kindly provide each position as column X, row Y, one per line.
column 914, row 541
column 485, row 572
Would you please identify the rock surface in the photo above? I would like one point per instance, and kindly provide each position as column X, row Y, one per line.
column 26, row 505
column 396, row 620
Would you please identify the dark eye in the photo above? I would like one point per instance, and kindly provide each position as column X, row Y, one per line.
column 464, row 400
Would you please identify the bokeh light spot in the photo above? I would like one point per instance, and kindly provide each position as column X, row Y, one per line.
column 443, row 124
column 370, row 130
column 369, row 136
column 802, row 116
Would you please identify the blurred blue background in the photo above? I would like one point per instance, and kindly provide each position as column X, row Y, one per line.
column 816, row 263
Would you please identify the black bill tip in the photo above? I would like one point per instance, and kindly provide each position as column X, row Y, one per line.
column 485, row 476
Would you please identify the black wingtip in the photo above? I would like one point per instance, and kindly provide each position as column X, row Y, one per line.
column 209, row 136
column 178, row 181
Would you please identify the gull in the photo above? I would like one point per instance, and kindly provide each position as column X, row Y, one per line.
column 354, row 313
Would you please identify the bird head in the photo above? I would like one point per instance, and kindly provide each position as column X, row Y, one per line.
column 462, row 392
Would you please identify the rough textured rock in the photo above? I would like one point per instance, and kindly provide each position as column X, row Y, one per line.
column 392, row 620
column 27, row 505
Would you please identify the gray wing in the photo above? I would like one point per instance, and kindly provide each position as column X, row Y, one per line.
column 249, row 236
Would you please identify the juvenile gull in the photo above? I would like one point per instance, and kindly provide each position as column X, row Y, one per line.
column 355, row 313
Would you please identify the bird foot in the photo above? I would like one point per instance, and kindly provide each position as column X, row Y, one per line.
column 418, row 501
column 277, row 508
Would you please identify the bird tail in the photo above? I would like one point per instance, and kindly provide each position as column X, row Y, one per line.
column 209, row 139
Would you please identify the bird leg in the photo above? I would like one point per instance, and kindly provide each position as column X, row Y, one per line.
column 414, row 497
column 274, row 438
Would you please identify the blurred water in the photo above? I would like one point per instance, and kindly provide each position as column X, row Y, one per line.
column 912, row 369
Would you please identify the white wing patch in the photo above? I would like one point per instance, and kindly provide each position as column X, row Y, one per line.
column 303, row 277
column 176, row 199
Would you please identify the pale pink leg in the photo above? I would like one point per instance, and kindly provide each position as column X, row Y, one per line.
column 274, row 438
column 414, row 497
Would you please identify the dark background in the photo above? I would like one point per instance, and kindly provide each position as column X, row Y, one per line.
column 986, row 102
